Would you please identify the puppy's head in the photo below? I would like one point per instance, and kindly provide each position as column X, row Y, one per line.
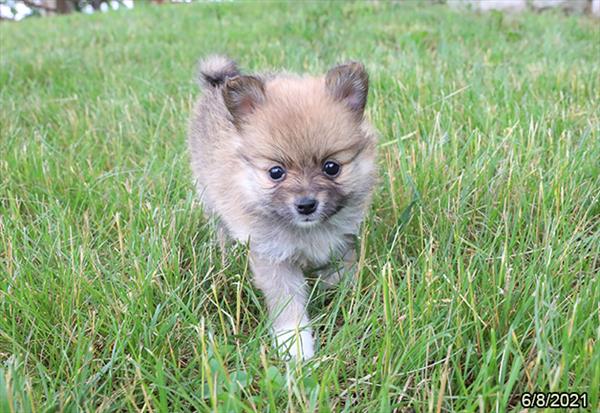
column 307, row 153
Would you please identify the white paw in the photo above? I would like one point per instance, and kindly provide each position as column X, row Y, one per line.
column 295, row 344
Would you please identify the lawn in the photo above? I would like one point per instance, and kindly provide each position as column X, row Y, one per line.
column 479, row 258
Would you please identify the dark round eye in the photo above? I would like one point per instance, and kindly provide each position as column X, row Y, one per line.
column 331, row 169
column 277, row 173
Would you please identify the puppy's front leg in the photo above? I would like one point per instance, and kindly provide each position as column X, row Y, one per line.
column 285, row 291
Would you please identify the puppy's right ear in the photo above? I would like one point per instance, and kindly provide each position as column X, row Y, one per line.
column 242, row 95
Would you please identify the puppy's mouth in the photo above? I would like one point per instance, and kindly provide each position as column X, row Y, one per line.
column 323, row 213
column 307, row 222
column 288, row 216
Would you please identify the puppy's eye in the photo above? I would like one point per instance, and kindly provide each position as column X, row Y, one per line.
column 277, row 173
column 331, row 169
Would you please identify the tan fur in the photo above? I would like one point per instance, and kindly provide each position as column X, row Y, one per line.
column 245, row 125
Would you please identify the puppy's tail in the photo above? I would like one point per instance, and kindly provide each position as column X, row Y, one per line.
column 214, row 70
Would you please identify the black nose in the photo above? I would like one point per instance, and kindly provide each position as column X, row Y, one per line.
column 306, row 205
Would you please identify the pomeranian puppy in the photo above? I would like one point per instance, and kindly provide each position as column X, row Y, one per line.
column 286, row 163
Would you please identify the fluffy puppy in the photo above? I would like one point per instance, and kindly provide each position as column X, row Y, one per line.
column 287, row 163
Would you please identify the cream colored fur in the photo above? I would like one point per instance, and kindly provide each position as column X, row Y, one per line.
column 244, row 125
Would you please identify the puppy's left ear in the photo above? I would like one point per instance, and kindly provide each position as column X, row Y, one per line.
column 349, row 84
column 242, row 95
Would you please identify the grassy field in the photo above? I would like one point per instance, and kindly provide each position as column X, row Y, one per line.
column 479, row 259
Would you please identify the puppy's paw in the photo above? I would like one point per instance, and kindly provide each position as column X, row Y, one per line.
column 331, row 278
column 345, row 269
column 295, row 344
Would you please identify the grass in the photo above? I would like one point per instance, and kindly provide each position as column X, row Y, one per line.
column 479, row 259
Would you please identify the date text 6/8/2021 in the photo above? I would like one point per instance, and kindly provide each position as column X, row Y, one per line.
column 558, row 400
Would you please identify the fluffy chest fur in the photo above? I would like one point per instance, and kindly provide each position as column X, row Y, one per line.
column 309, row 248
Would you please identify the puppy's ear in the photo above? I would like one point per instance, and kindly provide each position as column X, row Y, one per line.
column 349, row 84
column 242, row 95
